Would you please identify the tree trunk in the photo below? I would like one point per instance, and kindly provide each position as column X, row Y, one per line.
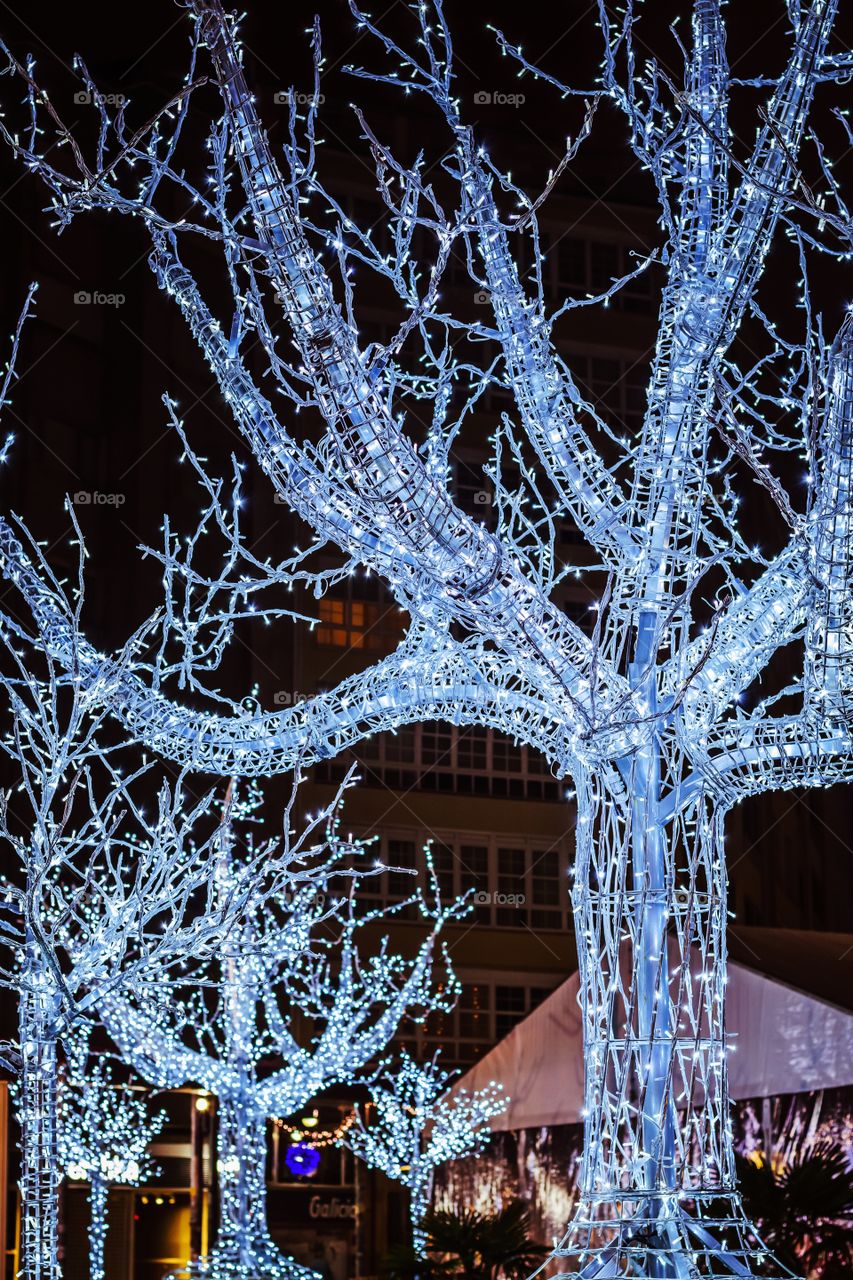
column 242, row 1159
column 38, row 1116
column 98, row 1193
column 243, row 1246
column 658, row 1194
column 420, row 1194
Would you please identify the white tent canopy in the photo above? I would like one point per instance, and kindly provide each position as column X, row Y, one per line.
column 783, row 1041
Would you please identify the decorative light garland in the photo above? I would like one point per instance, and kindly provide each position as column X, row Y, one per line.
column 320, row 1137
column 645, row 714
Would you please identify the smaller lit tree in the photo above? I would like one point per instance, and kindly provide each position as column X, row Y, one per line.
column 301, row 997
column 104, row 1131
column 414, row 1124
column 110, row 874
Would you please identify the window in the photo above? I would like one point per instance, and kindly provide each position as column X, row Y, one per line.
column 509, row 885
column 511, row 900
column 572, row 266
column 546, row 890
column 401, row 745
column 474, row 1011
column 436, row 744
column 604, row 267
column 511, row 1006
column 506, row 755
column 461, row 761
column 616, row 389
column 581, row 267
column 484, row 1013
column 474, row 874
column 444, row 865
column 351, row 624
column 401, row 884
column 472, row 748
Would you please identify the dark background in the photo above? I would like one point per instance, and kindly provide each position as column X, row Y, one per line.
column 87, row 412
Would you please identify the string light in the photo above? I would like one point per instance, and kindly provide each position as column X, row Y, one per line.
column 104, row 1132
column 296, row 955
column 644, row 715
column 412, row 1126
column 319, row 1138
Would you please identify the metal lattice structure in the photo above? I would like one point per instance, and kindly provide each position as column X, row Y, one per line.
column 643, row 714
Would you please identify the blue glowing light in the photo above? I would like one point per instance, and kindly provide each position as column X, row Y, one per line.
column 302, row 1159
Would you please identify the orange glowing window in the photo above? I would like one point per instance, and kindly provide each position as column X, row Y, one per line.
column 351, row 624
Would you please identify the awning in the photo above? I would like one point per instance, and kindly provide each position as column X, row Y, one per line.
column 783, row 1040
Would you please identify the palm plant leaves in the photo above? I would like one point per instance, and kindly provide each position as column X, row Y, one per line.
column 805, row 1209
column 479, row 1246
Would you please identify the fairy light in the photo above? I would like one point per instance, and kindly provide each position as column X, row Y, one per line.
column 645, row 717
column 218, row 1022
column 319, row 1138
column 104, row 1131
column 413, row 1125
column 100, row 886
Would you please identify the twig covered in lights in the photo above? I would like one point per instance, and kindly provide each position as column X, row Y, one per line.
column 668, row 711
column 298, row 985
column 413, row 1125
column 105, row 1128
column 110, row 873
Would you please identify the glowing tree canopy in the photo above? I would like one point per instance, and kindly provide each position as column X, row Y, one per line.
column 412, row 1126
column 643, row 714
column 109, row 875
column 295, row 986
column 104, row 1131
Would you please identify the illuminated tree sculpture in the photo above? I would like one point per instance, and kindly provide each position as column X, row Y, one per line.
column 643, row 713
column 413, row 1126
column 104, row 1131
column 297, row 990
column 97, row 891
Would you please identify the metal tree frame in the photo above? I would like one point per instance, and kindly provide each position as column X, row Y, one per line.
column 643, row 715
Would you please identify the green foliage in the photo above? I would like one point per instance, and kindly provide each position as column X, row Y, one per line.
column 478, row 1246
column 804, row 1210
